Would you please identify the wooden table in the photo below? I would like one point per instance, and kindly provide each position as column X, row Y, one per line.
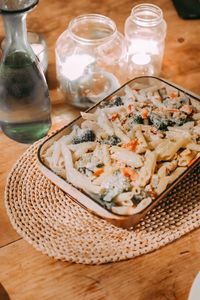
column 166, row 274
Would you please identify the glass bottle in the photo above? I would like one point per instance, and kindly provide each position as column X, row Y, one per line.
column 24, row 97
column 90, row 59
column 145, row 32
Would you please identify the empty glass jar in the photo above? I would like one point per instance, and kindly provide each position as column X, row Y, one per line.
column 90, row 59
column 145, row 31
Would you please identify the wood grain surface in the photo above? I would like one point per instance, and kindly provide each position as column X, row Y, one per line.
column 166, row 274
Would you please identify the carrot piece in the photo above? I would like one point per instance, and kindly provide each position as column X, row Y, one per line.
column 172, row 95
column 114, row 116
column 144, row 113
column 98, row 171
column 131, row 146
column 128, row 172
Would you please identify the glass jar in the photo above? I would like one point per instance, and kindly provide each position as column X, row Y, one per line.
column 90, row 59
column 25, row 105
column 145, row 31
column 39, row 46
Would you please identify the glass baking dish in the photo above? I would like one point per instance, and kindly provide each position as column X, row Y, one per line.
column 149, row 139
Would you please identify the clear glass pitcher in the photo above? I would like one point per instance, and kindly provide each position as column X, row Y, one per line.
column 24, row 98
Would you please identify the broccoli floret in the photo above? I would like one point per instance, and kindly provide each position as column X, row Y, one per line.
column 162, row 123
column 138, row 198
column 116, row 102
column 87, row 136
column 159, row 122
column 113, row 140
column 138, row 119
column 100, row 165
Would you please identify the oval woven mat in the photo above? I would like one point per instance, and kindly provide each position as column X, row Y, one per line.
column 46, row 218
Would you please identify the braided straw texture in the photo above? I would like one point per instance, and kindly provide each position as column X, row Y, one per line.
column 50, row 221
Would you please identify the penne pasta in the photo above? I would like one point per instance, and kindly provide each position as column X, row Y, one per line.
column 131, row 148
column 167, row 149
column 104, row 123
column 128, row 157
column 148, row 168
column 162, row 184
column 72, row 175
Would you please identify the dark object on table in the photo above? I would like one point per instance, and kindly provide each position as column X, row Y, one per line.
column 188, row 9
column 3, row 293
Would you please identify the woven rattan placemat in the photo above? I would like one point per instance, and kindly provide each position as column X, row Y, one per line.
column 46, row 218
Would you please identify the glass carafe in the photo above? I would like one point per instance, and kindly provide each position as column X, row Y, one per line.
column 24, row 97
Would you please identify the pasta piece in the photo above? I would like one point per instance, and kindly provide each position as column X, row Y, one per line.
column 142, row 144
column 55, row 155
column 83, row 147
column 162, row 171
column 141, row 206
column 176, row 136
column 106, row 155
column 114, row 109
column 176, row 174
column 122, row 210
column 185, row 157
column 162, row 184
column 119, row 133
column 128, row 157
column 154, row 181
column 194, row 147
column 147, row 170
column 170, row 165
column 75, row 177
column 89, row 116
column 104, row 177
column 80, row 149
column 179, row 129
column 124, row 199
column 154, row 143
column 104, row 123
column 167, row 149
